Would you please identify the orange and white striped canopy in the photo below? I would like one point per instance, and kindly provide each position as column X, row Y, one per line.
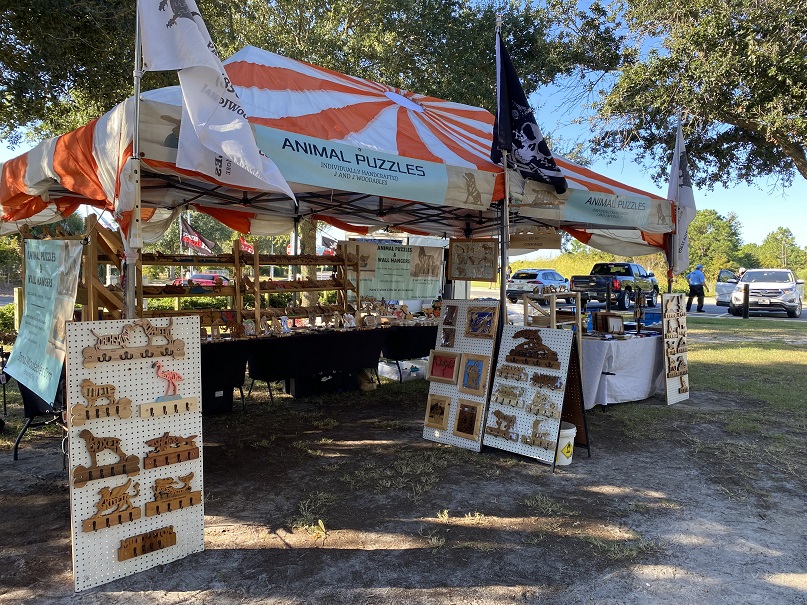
column 358, row 154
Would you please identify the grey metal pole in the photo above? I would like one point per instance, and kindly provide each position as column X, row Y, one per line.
column 135, row 236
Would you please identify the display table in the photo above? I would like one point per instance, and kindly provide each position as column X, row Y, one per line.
column 615, row 370
column 224, row 367
column 408, row 342
column 300, row 359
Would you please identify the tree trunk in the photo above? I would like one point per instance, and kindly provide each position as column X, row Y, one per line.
column 308, row 245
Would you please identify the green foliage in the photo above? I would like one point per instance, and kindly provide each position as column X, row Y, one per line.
column 737, row 72
column 714, row 241
column 779, row 249
column 63, row 63
column 7, row 318
column 10, row 258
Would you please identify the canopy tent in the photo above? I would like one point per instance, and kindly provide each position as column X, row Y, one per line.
column 359, row 155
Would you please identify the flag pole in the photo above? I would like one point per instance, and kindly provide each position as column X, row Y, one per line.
column 135, row 237
column 504, row 227
column 675, row 238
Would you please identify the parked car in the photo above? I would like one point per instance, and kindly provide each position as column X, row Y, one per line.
column 533, row 282
column 725, row 285
column 775, row 290
column 203, row 279
column 624, row 280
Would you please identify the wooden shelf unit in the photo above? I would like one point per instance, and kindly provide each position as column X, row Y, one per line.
column 343, row 281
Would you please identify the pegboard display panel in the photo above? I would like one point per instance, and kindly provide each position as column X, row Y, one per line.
column 527, row 399
column 124, row 461
column 465, row 414
column 674, row 326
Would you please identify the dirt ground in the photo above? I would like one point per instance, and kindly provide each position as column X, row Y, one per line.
column 669, row 509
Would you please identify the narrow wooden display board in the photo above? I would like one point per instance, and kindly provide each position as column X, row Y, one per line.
column 135, row 439
column 674, row 326
column 459, row 373
column 536, row 385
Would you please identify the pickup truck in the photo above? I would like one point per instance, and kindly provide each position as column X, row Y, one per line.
column 625, row 279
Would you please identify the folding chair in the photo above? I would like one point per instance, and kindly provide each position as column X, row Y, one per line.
column 39, row 412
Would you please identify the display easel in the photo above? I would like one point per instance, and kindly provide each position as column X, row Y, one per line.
column 674, row 331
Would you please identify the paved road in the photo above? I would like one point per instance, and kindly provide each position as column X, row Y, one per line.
column 710, row 309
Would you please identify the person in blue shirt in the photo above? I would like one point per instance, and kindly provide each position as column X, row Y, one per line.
column 697, row 282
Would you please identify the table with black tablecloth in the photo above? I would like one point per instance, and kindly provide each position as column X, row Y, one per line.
column 307, row 361
column 224, row 367
column 408, row 342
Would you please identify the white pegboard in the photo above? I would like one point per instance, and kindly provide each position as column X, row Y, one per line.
column 552, row 389
column 674, row 331
column 95, row 553
column 463, row 344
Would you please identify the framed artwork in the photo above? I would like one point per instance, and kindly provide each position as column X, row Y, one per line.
column 450, row 315
column 481, row 322
column 469, row 419
column 447, row 336
column 437, row 411
column 444, row 366
column 473, row 376
column 476, row 259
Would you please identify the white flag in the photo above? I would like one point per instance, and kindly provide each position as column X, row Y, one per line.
column 680, row 191
column 215, row 137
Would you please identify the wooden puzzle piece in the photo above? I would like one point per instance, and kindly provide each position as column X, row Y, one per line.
column 507, row 395
column 511, row 372
column 91, row 356
column 113, row 507
column 532, row 352
column 170, row 449
column 172, row 494
column 146, row 543
column 548, row 381
column 95, row 445
column 80, row 413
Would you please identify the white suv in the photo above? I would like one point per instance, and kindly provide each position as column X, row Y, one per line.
column 775, row 290
column 534, row 281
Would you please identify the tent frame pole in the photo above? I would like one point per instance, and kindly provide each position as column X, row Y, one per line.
column 135, row 238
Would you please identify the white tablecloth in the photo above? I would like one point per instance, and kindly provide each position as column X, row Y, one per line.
column 622, row 370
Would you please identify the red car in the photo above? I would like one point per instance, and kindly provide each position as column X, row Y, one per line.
column 203, row 279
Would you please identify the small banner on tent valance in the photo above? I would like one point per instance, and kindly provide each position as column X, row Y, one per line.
column 534, row 239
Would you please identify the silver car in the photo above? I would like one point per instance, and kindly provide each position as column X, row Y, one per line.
column 775, row 290
column 534, row 282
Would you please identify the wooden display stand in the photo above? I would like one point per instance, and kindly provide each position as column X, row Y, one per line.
column 104, row 248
